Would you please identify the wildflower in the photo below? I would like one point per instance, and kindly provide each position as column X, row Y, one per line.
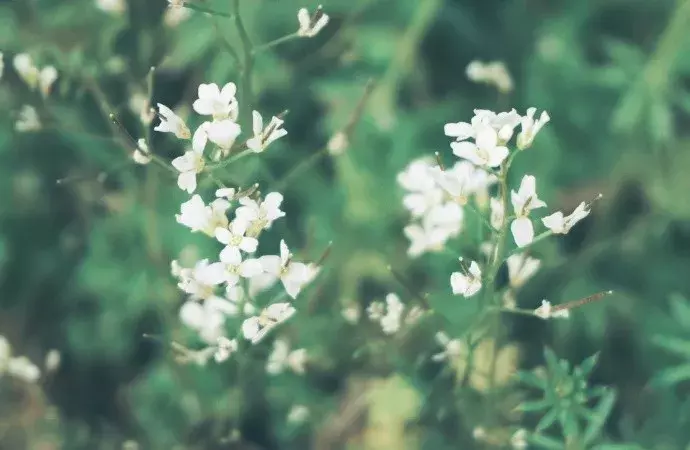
column 309, row 26
column 46, row 78
column 293, row 275
column 171, row 123
column 524, row 200
column 282, row 358
column 424, row 239
column 173, row 16
column 112, row 6
column 231, row 267
column 518, row 441
column 32, row 76
column 233, row 237
column 22, row 368
column 197, row 216
column 521, row 268
column 498, row 213
column 351, row 313
column 141, row 154
column 338, row 143
column 189, row 165
column 226, row 193
column 260, row 216
column 390, row 322
column 216, row 102
column 52, row 361
column 298, row 414
column 560, row 224
column 546, row 311
column 264, row 136
column 468, row 282
column 223, row 133
column 462, row 180
column 206, row 321
column 492, row 73
column 531, row 127
column 139, row 104
column 503, row 123
column 452, row 348
column 423, row 192
column 27, row 120
column 255, row 328
column 235, row 296
column 224, row 348
column 485, row 151
column 414, row 314
column 195, row 282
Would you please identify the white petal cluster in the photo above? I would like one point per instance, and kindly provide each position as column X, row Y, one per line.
column 524, row 201
column 521, row 268
column 452, row 348
column 546, row 311
column 392, row 314
column 16, row 366
column 493, row 73
column 468, row 281
column 283, row 358
column 560, row 224
column 310, row 25
column 115, row 7
column 264, row 136
column 27, row 120
column 34, row 77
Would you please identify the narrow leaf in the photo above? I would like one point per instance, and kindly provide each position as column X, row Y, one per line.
column 599, row 416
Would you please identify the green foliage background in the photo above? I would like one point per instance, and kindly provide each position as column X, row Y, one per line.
column 84, row 264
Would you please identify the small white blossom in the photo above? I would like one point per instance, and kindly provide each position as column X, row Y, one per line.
column 189, row 165
column 141, row 154
column 546, row 311
column 493, row 73
column 521, row 268
column 503, row 123
column 468, row 282
column 52, row 361
column 463, row 180
column 391, row 321
column 424, row 193
column 27, row 120
column 351, row 313
column 227, row 193
column 531, row 127
column 5, row 354
column 282, row 358
column 223, row 133
column 46, row 79
column 486, row 151
column 309, row 26
column 257, row 327
column 260, row 216
column 232, row 267
column 112, row 6
column 139, row 104
column 176, row 4
column 217, row 102
column 560, row 224
column 452, row 348
column 22, row 368
column 171, row 123
column 425, row 237
column 263, row 137
column 195, row 281
column 233, row 236
column 197, row 216
column 224, row 348
column 338, row 143
column 33, row 76
column 175, row 15
column 293, row 275
column 524, row 200
column 298, row 414
column 498, row 213
column 206, row 321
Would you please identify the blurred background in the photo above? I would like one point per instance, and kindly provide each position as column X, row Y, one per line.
column 86, row 236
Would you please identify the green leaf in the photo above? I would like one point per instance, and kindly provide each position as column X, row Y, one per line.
column 588, row 365
column 551, row 361
column 537, row 405
column 680, row 307
column 545, row 442
column 677, row 346
column 599, row 416
column 531, row 379
column 548, row 420
column 673, row 375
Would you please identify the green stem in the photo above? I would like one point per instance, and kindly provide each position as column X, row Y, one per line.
column 226, row 44
column 248, row 66
column 204, row 9
column 227, row 162
column 481, row 216
column 275, row 43
column 536, row 240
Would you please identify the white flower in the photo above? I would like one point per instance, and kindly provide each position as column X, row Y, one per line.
column 139, row 104
column 298, row 414
column 414, row 314
column 208, row 322
column 521, row 268
column 195, row 282
column 452, row 348
column 141, row 154
column 176, row 4
column 231, row 267
column 518, row 441
column 338, row 143
column 559, row 224
column 492, row 73
column 264, row 136
column 309, row 26
column 224, row 348
column 260, row 215
column 32, row 76
column 485, row 151
column 195, row 215
column 112, row 6
column 376, row 310
column 216, row 102
column 175, row 15
column 5, row 354
column 462, row 180
column 293, row 275
column 255, row 328
column 227, row 193
column 546, row 311
column 46, row 79
column 282, row 358
column 530, row 127
column 418, row 179
column 503, row 123
column 425, row 238
column 524, row 200
column 27, row 120
column 467, row 283
column 351, row 313
column 233, row 236
column 223, row 133
column 22, row 368
column 189, row 165
column 52, row 361
column 498, row 213
column 391, row 321
column 171, row 123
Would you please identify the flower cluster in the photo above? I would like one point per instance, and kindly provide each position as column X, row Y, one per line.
column 35, row 78
column 236, row 219
column 492, row 73
column 17, row 366
column 392, row 314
